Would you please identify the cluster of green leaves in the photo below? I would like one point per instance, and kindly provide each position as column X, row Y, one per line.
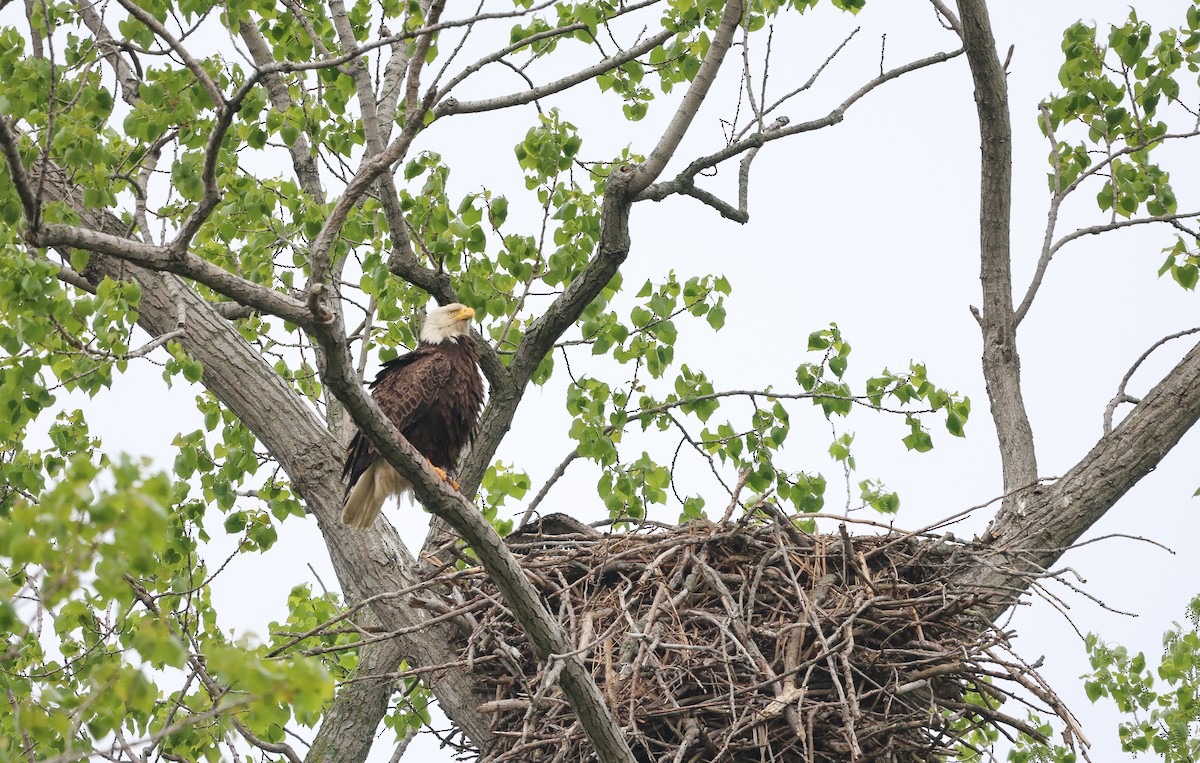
column 312, row 614
column 826, row 383
column 81, row 657
column 1164, row 721
column 976, row 744
column 87, row 560
column 453, row 235
column 1028, row 750
column 1183, row 263
column 500, row 483
column 316, row 625
column 602, row 414
column 1118, row 90
column 68, row 545
column 79, row 343
column 80, row 135
column 644, row 340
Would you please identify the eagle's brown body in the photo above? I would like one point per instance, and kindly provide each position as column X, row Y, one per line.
column 433, row 396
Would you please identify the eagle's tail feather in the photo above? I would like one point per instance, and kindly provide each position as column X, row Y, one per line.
column 366, row 496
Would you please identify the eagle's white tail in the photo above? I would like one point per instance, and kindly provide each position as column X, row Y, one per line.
column 368, row 494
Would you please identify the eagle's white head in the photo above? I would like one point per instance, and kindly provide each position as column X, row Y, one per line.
column 447, row 322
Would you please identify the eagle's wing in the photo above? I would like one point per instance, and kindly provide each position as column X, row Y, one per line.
column 405, row 389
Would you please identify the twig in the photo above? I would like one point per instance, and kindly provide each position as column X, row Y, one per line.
column 1122, row 396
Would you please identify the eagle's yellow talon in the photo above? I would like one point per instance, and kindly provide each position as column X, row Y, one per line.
column 442, row 473
column 432, row 396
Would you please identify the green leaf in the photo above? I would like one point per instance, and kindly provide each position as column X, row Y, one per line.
column 1186, row 275
column 919, row 441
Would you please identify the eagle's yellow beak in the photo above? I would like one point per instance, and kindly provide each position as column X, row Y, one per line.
column 464, row 313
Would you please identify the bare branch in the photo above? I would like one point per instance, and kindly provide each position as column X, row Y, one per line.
column 685, row 185
column 371, row 169
column 559, row 471
column 451, row 106
column 281, row 748
column 1121, row 396
column 1051, row 220
column 149, row 164
column 662, row 153
column 759, row 139
column 1092, row 230
column 812, row 80
column 499, row 54
column 747, row 77
column 944, row 12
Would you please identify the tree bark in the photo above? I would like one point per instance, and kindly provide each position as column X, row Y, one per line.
column 350, row 722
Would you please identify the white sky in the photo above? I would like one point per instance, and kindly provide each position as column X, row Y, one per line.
column 872, row 224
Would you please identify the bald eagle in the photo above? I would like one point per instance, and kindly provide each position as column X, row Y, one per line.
column 433, row 396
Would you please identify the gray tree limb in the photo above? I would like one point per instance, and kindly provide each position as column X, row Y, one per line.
column 1033, row 531
column 450, row 106
column 1036, row 524
column 1001, row 361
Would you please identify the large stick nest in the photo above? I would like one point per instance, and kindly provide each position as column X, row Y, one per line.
column 748, row 642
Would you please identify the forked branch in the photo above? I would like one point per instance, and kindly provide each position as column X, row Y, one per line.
column 686, row 178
